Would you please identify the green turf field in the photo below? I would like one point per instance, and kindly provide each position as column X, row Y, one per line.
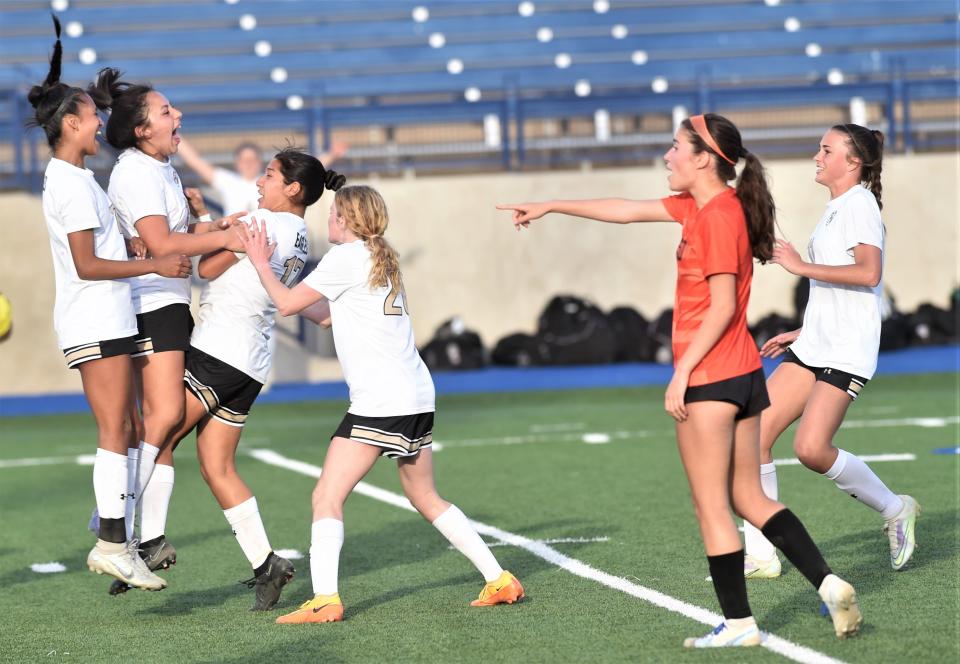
column 516, row 461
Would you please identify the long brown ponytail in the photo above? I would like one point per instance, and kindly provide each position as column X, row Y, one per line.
column 365, row 212
column 867, row 146
column 752, row 189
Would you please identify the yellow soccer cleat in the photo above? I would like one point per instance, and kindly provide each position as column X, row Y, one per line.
column 505, row 590
column 320, row 609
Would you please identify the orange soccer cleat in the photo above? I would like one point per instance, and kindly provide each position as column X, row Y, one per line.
column 320, row 609
column 505, row 590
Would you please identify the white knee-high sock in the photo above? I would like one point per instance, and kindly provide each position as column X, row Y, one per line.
column 148, row 460
column 455, row 526
column 853, row 476
column 130, row 502
column 110, row 483
column 154, row 502
column 249, row 531
column 754, row 542
column 326, row 539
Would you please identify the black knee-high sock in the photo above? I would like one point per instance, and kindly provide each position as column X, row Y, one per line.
column 785, row 532
column 730, row 584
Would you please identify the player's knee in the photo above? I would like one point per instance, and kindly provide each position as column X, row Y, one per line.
column 422, row 499
column 809, row 450
column 164, row 419
column 324, row 501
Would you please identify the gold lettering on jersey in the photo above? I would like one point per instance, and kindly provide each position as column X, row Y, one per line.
column 390, row 306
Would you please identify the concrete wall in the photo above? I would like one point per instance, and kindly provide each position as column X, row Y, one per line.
column 462, row 257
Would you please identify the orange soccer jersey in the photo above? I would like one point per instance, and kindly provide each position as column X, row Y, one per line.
column 714, row 241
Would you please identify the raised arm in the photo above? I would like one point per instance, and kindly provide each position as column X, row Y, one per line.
column 91, row 267
column 866, row 270
column 611, row 210
column 288, row 301
column 195, row 162
column 160, row 241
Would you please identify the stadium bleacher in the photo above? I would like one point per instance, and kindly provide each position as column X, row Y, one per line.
column 496, row 84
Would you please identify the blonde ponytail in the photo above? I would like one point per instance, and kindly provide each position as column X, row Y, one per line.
column 365, row 212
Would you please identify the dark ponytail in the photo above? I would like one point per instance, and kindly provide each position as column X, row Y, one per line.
column 752, row 189
column 127, row 103
column 298, row 166
column 867, row 146
column 52, row 99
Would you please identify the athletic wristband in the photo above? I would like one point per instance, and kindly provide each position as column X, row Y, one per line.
column 205, row 217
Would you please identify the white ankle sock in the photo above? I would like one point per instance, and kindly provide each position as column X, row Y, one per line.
column 110, row 483
column 248, row 529
column 154, row 502
column 741, row 623
column 455, row 526
column 130, row 502
column 326, row 539
column 755, row 543
column 853, row 476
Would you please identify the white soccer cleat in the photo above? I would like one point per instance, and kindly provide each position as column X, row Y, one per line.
column 725, row 636
column 841, row 601
column 758, row 568
column 124, row 565
column 900, row 531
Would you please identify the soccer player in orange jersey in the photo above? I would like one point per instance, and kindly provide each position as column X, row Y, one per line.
column 718, row 390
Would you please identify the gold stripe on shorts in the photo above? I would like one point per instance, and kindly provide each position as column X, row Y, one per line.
column 392, row 439
column 206, row 394
column 82, row 354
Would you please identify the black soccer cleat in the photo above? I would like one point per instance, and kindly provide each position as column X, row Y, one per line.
column 158, row 553
column 278, row 573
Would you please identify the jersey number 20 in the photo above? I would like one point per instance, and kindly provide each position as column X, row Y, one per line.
column 390, row 305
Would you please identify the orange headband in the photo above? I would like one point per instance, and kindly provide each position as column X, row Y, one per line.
column 700, row 126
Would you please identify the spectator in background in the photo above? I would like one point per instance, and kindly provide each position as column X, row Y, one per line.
column 237, row 189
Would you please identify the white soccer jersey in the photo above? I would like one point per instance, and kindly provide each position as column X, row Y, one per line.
column 841, row 325
column 140, row 186
column 85, row 311
column 373, row 336
column 236, row 315
column 236, row 194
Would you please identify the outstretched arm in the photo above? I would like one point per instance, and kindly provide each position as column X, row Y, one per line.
column 160, row 241
column 866, row 270
column 195, row 162
column 91, row 267
column 288, row 301
column 611, row 210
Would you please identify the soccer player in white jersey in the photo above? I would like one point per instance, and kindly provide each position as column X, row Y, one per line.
column 148, row 199
column 829, row 360
column 237, row 189
column 93, row 314
column 229, row 357
column 358, row 286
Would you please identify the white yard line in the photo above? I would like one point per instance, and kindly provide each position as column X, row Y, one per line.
column 863, row 457
column 575, row 436
column 555, row 540
column 776, row 644
column 82, row 460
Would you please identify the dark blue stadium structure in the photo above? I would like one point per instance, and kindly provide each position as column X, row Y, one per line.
column 492, row 84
